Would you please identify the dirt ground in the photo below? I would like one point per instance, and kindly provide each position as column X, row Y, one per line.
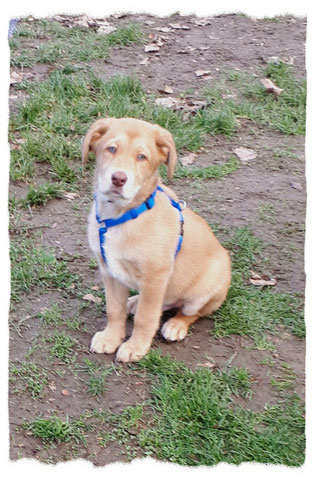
column 224, row 42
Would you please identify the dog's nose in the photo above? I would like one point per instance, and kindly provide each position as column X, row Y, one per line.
column 119, row 178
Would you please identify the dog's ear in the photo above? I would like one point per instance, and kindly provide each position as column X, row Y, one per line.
column 95, row 132
column 166, row 145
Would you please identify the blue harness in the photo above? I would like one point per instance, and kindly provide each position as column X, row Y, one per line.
column 105, row 224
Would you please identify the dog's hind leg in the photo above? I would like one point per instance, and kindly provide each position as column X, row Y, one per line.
column 177, row 327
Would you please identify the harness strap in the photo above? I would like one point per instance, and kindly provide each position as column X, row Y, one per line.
column 105, row 224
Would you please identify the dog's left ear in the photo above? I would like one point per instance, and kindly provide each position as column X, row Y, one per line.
column 166, row 145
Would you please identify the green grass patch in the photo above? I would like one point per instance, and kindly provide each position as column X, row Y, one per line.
column 62, row 346
column 41, row 194
column 33, row 266
column 286, row 113
column 97, row 376
column 60, row 110
column 33, row 377
column 54, row 430
column 252, row 311
column 196, row 422
column 210, row 172
column 55, row 43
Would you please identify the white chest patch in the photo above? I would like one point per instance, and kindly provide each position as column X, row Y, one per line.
column 116, row 254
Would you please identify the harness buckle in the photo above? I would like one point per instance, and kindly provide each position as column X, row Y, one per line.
column 182, row 204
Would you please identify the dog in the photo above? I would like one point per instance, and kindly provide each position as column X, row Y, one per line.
column 145, row 240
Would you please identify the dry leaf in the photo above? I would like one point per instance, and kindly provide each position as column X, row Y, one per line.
column 145, row 61
column 104, row 29
column 271, row 87
column 168, row 102
column 151, row 48
column 16, row 77
column 201, row 22
column 163, row 29
column 70, row 195
column 175, row 26
column 91, row 297
column 149, row 22
column 95, row 288
column 208, row 364
column 188, row 159
column 245, row 154
column 296, row 185
column 262, row 280
column 52, row 386
column 202, row 73
column 166, row 90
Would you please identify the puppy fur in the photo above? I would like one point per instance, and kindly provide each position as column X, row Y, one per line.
column 140, row 252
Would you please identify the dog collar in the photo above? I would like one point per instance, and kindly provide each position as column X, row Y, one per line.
column 131, row 214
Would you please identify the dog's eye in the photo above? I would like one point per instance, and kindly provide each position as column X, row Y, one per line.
column 141, row 157
column 112, row 149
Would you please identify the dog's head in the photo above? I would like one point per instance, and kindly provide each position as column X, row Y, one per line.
column 128, row 153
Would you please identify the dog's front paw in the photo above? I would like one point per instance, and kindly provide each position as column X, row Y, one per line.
column 174, row 330
column 102, row 342
column 130, row 351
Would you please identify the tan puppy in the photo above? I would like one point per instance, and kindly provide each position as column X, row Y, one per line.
column 140, row 253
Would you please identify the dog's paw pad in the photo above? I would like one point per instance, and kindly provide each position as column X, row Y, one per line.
column 128, row 352
column 101, row 344
column 174, row 330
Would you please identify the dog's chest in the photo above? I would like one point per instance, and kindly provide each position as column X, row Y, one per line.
column 116, row 250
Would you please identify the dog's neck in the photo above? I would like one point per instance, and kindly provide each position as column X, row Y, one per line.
column 107, row 209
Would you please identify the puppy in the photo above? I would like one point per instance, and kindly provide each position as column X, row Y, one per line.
column 169, row 255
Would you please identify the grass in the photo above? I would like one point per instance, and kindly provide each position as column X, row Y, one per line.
column 55, row 430
column 61, row 109
column 286, row 113
column 33, row 266
column 253, row 311
column 195, row 421
column 97, row 376
column 62, row 347
column 33, row 377
column 55, row 43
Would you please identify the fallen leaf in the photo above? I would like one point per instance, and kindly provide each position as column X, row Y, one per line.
column 149, row 22
column 188, row 49
column 202, row 22
column 175, row 26
column 166, row 90
column 188, row 159
column 52, row 386
column 168, row 102
column 65, row 392
column 151, row 48
column 163, row 29
column 16, row 77
column 95, row 288
column 105, row 29
column 91, row 297
column 145, row 61
column 296, row 185
column 211, row 365
column 202, row 73
column 271, row 87
column 70, row 195
column 261, row 280
column 245, row 154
